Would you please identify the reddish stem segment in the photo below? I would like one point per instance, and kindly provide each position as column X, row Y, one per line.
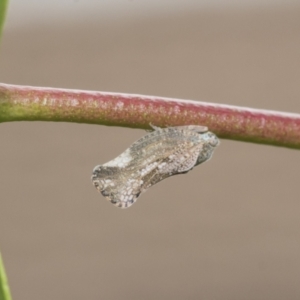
column 25, row 103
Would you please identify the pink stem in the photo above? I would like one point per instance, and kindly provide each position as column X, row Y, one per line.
column 25, row 103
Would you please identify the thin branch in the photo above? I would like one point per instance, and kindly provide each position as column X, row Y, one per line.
column 3, row 10
column 25, row 103
column 4, row 288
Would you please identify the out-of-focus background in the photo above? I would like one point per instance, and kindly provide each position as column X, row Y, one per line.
column 230, row 229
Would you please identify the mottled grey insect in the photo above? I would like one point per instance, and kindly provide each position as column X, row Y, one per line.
column 159, row 154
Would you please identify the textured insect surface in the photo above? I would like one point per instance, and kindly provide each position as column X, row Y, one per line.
column 159, row 154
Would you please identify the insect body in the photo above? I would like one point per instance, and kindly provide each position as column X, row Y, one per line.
column 160, row 154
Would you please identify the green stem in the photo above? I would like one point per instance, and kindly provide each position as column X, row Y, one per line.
column 3, row 9
column 25, row 103
column 4, row 288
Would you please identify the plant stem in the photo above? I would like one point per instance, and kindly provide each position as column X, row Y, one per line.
column 25, row 103
column 4, row 288
column 3, row 9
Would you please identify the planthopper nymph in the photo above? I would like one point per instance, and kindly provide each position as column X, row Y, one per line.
column 159, row 154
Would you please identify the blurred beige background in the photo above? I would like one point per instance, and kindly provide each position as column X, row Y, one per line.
column 230, row 229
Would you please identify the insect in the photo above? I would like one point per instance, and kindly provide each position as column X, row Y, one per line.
column 162, row 153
